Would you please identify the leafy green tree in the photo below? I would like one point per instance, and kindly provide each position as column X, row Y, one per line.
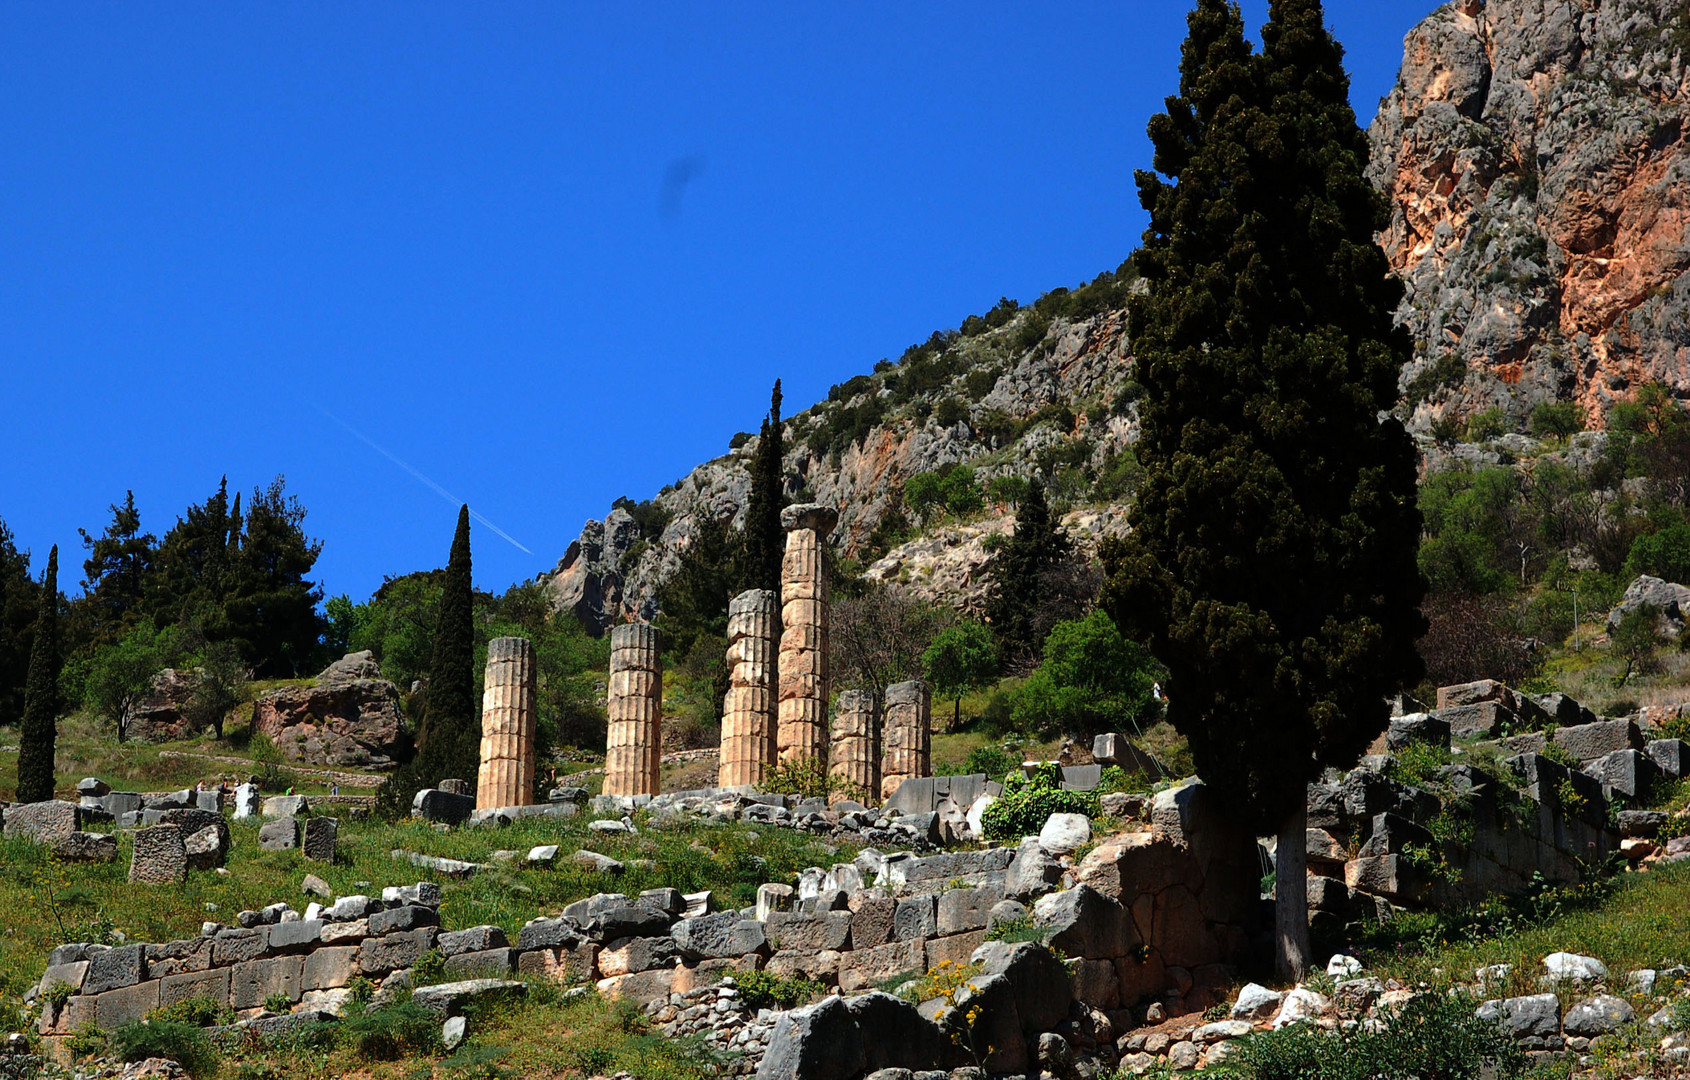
column 19, row 601
column 397, row 624
column 924, row 491
column 1037, row 545
column 1557, row 419
column 962, row 658
column 961, row 492
column 1092, row 680
column 114, row 575
column 763, row 539
column 695, row 600
column 1665, row 554
column 269, row 604
column 39, row 732
column 449, row 736
column 1008, row 489
column 1271, row 564
column 113, row 679
column 1634, row 640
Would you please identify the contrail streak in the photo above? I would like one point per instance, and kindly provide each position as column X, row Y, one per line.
column 408, row 467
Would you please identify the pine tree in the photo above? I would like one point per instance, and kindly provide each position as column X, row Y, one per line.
column 1271, row 566
column 763, row 540
column 270, row 606
column 449, row 736
column 114, row 574
column 187, row 581
column 1036, row 545
column 19, row 601
column 39, row 731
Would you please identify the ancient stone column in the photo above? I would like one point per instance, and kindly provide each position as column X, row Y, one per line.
column 508, row 708
column 854, row 755
column 748, row 711
column 801, row 733
column 909, row 740
column 635, row 740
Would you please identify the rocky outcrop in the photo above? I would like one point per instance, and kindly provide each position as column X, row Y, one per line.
column 163, row 714
column 348, row 716
column 1535, row 155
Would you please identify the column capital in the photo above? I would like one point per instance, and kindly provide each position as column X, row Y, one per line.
column 809, row 516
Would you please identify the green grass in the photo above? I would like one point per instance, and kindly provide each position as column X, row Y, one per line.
column 43, row 904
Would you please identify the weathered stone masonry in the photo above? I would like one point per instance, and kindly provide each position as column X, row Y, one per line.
column 748, row 711
column 507, row 725
column 855, row 752
column 804, row 683
column 635, row 737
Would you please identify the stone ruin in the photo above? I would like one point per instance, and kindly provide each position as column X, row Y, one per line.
column 748, row 711
column 854, row 755
column 909, row 717
column 801, row 732
column 635, row 737
column 508, row 713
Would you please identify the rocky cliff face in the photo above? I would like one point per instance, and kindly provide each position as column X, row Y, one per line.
column 1536, row 159
column 1535, row 154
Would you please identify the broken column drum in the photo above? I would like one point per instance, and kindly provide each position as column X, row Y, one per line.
column 508, row 709
column 855, row 751
column 909, row 740
column 635, row 738
column 748, row 710
column 801, row 734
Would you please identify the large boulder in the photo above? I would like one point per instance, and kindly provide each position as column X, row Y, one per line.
column 1668, row 598
column 894, row 1034
column 162, row 714
column 348, row 716
column 819, row 1042
column 1040, row 982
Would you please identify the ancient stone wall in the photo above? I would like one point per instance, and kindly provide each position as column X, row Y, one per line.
column 801, row 734
column 635, row 737
column 508, row 714
column 748, row 711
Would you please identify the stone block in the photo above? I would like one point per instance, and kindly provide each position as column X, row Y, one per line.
column 1083, row 922
column 1587, row 742
column 1392, row 834
column 1039, row 981
column 862, row 968
column 451, row 998
column 329, row 969
column 894, row 1034
column 177, row 957
column 42, row 822
column 475, row 939
column 573, row 965
column 85, row 847
column 353, row 931
column 205, row 849
column 1471, row 693
column 379, row 956
column 1671, row 756
column 811, row 933
column 256, row 980
column 297, row 935
column 113, row 969
column 916, row 919
column 725, row 934
column 1630, row 774
column 433, row 804
column 279, row 834
column 955, row 948
column 872, row 921
column 1081, row 777
column 962, row 910
column 626, row 956
column 70, row 975
column 211, row 983
column 248, row 802
column 642, row 987
column 317, row 842
column 235, row 946
column 286, row 806
column 485, row 964
column 127, row 1005
column 817, row 1042
column 159, row 856
column 1483, row 720
column 550, row 934
column 1417, row 728
column 409, row 917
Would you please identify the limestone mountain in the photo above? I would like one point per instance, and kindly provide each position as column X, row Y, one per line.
column 1535, row 154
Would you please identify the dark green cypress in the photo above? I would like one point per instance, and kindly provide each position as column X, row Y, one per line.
column 762, row 539
column 1271, row 566
column 1037, row 544
column 41, row 695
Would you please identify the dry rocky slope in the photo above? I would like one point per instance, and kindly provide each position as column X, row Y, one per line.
column 1534, row 153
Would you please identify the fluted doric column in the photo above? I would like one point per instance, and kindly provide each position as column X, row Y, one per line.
column 507, row 725
column 909, row 740
column 854, row 755
column 748, row 711
column 635, row 738
column 801, row 733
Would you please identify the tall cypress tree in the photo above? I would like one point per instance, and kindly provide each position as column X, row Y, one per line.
column 762, row 539
column 1037, row 544
column 1271, row 566
column 449, row 736
column 41, row 695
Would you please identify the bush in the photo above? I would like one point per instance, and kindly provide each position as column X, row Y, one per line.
column 394, row 1031
column 1431, row 1037
column 766, row 990
column 197, row 1012
column 991, row 759
column 1028, row 801
column 1665, row 554
column 182, row 1043
column 950, row 412
column 1557, row 419
column 1008, row 489
column 1091, row 680
column 961, row 492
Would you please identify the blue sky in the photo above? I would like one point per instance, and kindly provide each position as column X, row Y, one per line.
column 544, row 254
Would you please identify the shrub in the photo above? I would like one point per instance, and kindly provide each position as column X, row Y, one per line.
column 389, row 1033
column 1020, row 928
column 1028, row 801
column 182, row 1043
column 994, row 761
column 951, row 412
column 1091, row 680
column 1008, row 489
column 766, row 990
column 1557, row 419
column 1665, row 554
column 740, row 438
column 961, row 492
column 278, row 1002
column 429, row 969
column 196, row 1011
column 923, row 491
